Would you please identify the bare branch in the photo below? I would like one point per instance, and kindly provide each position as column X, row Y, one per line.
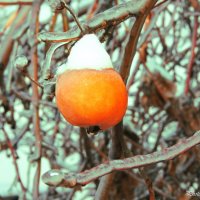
column 7, row 42
column 35, row 96
column 13, row 153
column 115, row 152
column 131, row 46
column 192, row 56
column 58, row 178
column 15, row 2
column 112, row 16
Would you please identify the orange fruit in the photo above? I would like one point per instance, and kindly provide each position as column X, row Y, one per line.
column 89, row 92
column 89, row 97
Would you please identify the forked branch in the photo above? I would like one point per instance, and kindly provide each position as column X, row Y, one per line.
column 112, row 16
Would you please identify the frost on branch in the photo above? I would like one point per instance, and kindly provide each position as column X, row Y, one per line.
column 59, row 178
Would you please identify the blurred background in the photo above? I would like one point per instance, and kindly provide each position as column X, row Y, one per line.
column 163, row 107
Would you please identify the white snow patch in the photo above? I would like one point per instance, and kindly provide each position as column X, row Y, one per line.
column 170, row 130
column 26, row 170
column 155, row 67
column 45, row 13
column 87, row 192
column 73, row 161
column 87, row 53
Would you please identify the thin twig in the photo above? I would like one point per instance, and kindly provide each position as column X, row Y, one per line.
column 110, row 17
column 7, row 42
column 131, row 46
column 149, row 183
column 74, row 16
column 58, row 178
column 15, row 163
column 93, row 9
column 65, row 21
column 115, row 152
column 15, row 2
column 25, row 97
column 129, row 54
column 192, row 57
column 30, row 78
column 35, row 95
column 160, row 3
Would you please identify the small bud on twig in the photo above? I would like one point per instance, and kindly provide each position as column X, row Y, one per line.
column 21, row 62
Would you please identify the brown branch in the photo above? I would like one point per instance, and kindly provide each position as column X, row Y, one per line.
column 160, row 3
column 35, row 96
column 65, row 21
column 100, row 21
column 93, row 9
column 148, row 183
column 104, row 187
column 192, row 56
column 13, row 153
column 7, row 42
column 4, row 145
column 15, row 2
column 115, row 152
column 129, row 54
column 73, row 15
column 25, row 97
column 58, row 178
column 131, row 46
column 132, row 76
column 24, row 72
column 110, row 17
column 156, row 14
column 195, row 4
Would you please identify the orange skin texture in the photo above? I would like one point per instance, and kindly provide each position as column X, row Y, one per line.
column 90, row 97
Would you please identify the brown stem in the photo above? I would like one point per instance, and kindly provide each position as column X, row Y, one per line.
column 65, row 21
column 30, row 78
column 7, row 42
column 93, row 9
column 149, row 184
column 131, row 46
column 35, row 96
column 13, row 153
column 115, row 152
column 125, row 67
column 104, row 187
column 74, row 16
column 15, row 2
column 105, row 183
column 192, row 57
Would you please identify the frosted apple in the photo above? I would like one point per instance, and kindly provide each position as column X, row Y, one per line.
column 89, row 92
